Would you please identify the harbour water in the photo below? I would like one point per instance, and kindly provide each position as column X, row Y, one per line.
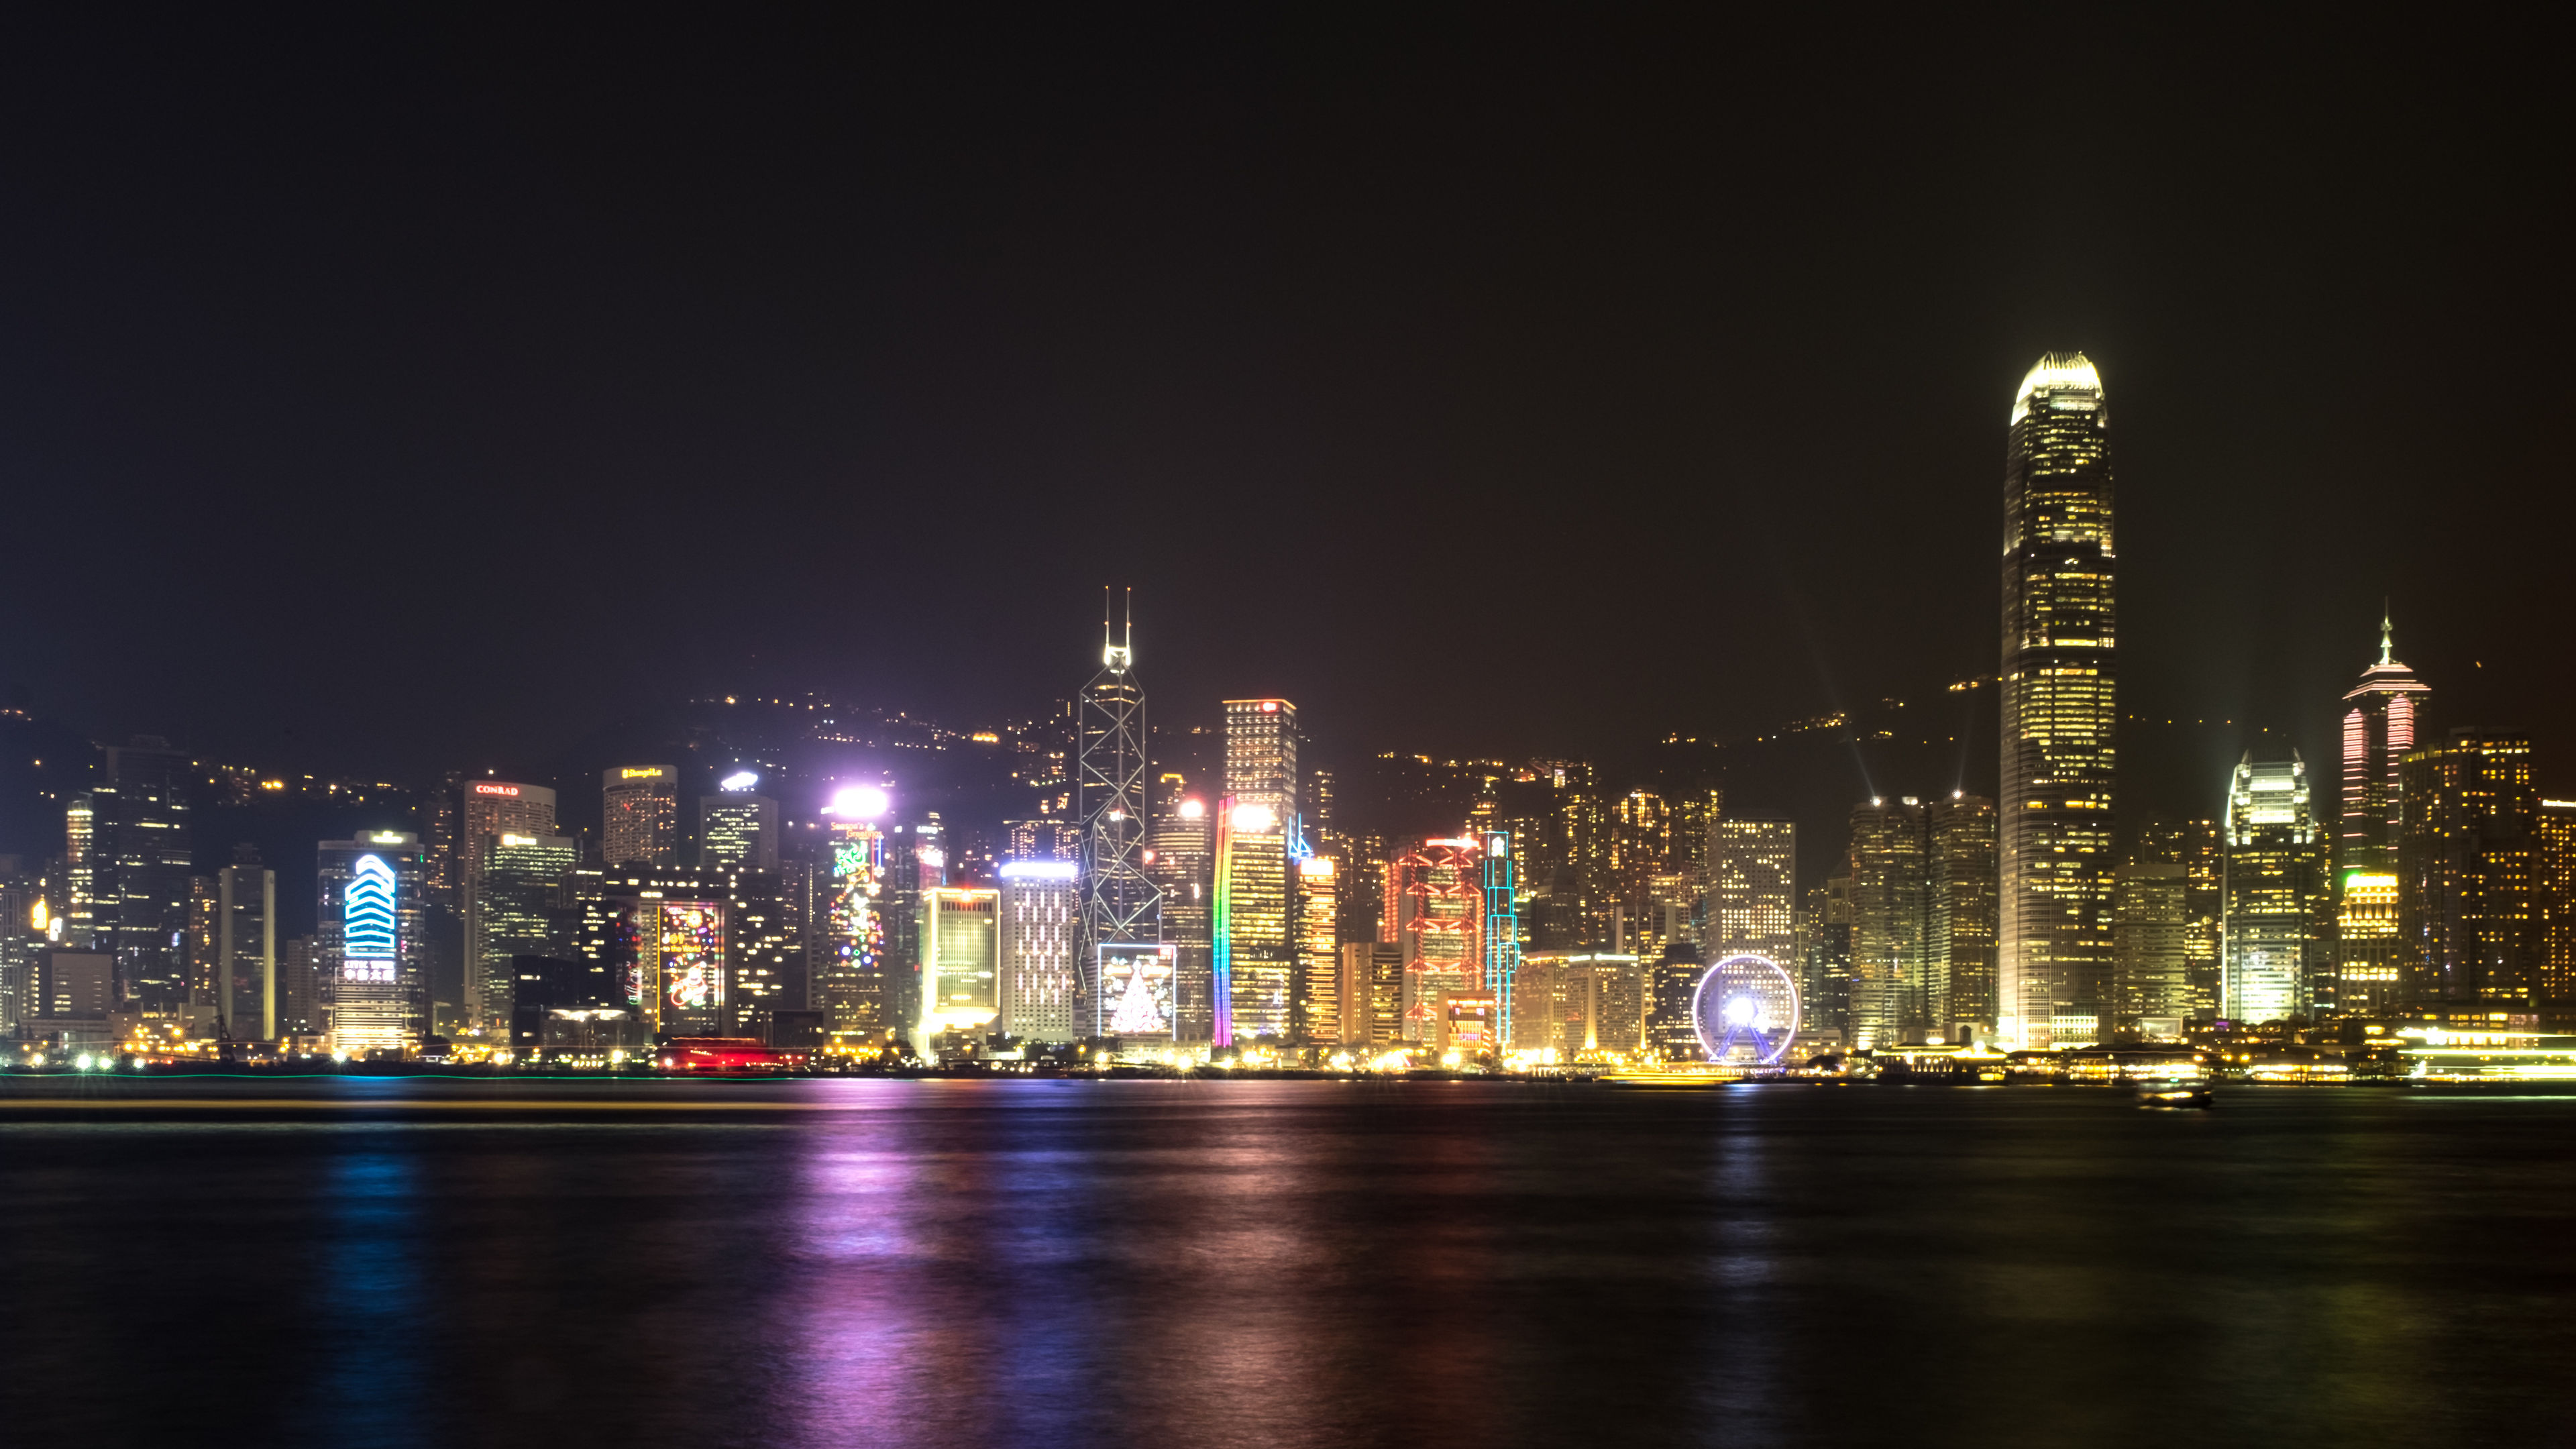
column 842, row 1262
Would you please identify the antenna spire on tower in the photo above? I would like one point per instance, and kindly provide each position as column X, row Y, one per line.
column 2387, row 635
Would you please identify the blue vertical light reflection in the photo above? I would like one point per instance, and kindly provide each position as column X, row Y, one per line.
column 373, row 1290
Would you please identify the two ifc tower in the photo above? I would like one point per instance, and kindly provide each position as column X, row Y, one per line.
column 2060, row 711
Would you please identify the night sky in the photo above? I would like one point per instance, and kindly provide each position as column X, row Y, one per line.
column 381, row 393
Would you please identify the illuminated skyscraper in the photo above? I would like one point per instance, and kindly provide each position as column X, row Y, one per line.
column 2060, row 713
column 2378, row 733
column 1261, row 754
column 1183, row 859
column 2557, row 828
column 1438, row 897
column 1318, row 1018
column 2149, row 925
column 1254, row 965
column 738, row 829
column 1672, row 984
column 246, row 947
column 487, row 810
column 960, row 963
column 1118, row 902
column 1254, row 957
column 366, row 944
column 641, row 815
column 1963, row 885
column 691, row 950
column 2468, row 868
column 1825, row 955
column 2275, row 892
column 133, row 870
column 1502, row 932
column 520, row 908
column 1041, row 917
column 1891, row 923
column 1753, row 889
column 2195, row 846
column 2379, row 726
column 850, row 984
column 915, row 860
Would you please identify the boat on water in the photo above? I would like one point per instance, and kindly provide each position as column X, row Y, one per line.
column 2174, row 1094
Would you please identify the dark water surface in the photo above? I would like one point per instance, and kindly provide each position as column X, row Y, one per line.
column 355, row 1262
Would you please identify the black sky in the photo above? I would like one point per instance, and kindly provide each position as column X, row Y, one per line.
column 382, row 392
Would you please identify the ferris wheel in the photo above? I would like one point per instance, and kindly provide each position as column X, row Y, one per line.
column 1746, row 1010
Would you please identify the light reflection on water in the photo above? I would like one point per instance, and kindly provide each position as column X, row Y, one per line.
column 1075, row 1264
column 371, row 1290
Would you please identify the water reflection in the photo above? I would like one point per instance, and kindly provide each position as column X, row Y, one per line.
column 371, row 1291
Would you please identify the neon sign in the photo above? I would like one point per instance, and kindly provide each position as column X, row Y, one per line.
column 496, row 789
column 367, row 931
column 1221, row 934
column 691, row 941
column 1136, row 988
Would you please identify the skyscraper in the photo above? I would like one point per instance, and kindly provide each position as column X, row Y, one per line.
column 738, row 829
column 1753, row 889
column 850, row 969
column 519, row 908
column 1963, row 889
column 246, row 947
column 692, row 950
column 960, row 957
column 2468, row 868
column 1891, row 922
column 2557, row 829
column 640, row 817
column 1254, row 958
column 2379, row 726
column 1118, row 902
column 1825, row 956
column 2060, row 712
column 366, row 946
column 2150, row 928
column 1502, row 929
column 1319, row 991
column 2378, row 733
column 2195, row 846
column 133, row 870
column 2275, row 892
column 1041, row 917
column 1182, row 858
column 487, row 810
column 1438, row 897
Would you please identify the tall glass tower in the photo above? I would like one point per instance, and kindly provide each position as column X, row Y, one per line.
column 2060, row 712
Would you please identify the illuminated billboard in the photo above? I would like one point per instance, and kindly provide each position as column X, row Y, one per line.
column 367, row 938
column 858, row 873
column 1136, row 979
column 689, row 939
